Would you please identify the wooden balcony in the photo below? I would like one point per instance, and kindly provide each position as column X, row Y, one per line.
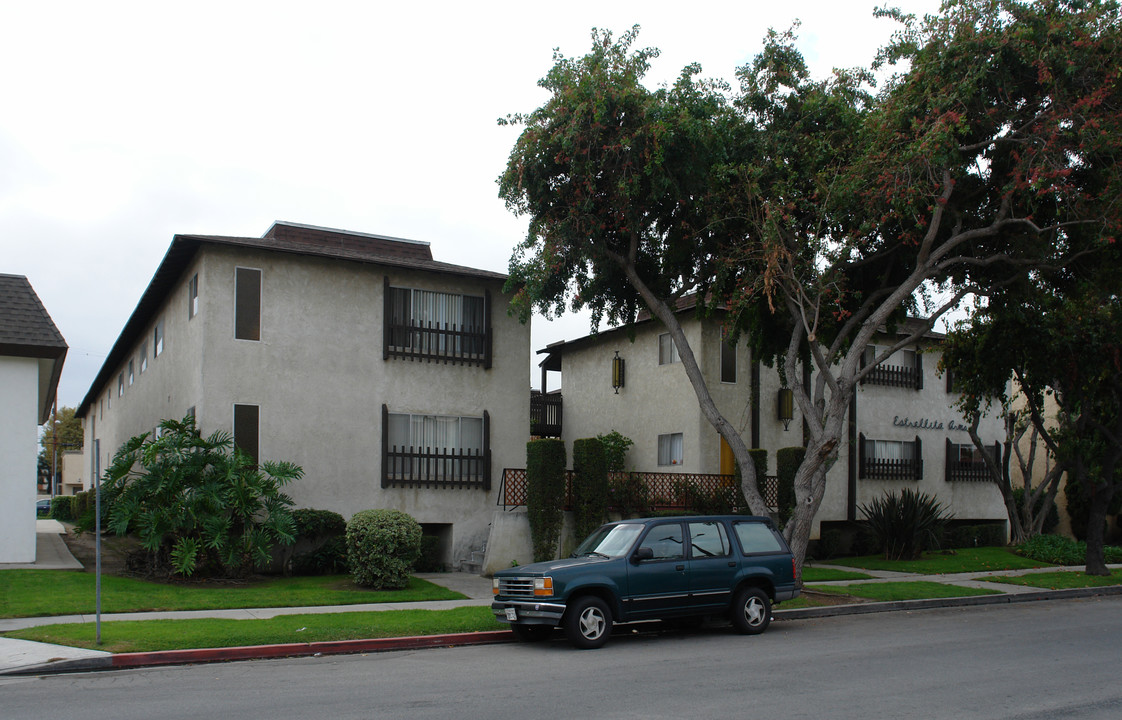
column 545, row 414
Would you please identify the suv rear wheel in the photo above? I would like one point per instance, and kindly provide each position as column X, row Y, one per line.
column 588, row 623
column 751, row 611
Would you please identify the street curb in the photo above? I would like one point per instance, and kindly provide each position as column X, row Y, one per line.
column 122, row 661
column 932, row 603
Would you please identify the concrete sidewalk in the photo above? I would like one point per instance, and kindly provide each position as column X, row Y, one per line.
column 30, row 658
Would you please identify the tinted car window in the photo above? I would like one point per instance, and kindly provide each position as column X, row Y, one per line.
column 708, row 539
column 666, row 541
column 757, row 538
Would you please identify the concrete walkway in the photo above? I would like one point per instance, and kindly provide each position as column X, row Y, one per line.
column 24, row 657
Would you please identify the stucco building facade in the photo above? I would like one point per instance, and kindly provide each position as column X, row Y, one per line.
column 392, row 379
column 903, row 431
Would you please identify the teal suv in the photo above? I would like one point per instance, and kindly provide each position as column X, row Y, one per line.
column 652, row 569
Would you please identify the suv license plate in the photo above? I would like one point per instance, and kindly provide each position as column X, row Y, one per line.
column 511, row 614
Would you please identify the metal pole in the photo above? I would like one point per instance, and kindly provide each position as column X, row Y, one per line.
column 97, row 538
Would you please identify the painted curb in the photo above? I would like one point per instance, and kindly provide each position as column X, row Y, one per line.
column 123, row 661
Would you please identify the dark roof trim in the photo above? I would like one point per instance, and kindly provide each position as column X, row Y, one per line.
column 27, row 330
column 282, row 237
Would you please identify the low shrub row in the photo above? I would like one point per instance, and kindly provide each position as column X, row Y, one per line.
column 1060, row 550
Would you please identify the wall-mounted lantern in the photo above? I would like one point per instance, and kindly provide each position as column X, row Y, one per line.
column 617, row 372
column 786, row 407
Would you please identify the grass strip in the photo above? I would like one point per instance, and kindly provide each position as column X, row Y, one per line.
column 42, row 593
column 890, row 591
column 1060, row 580
column 965, row 560
column 156, row 635
column 818, row 573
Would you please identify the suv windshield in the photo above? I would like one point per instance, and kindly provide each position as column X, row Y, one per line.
column 610, row 540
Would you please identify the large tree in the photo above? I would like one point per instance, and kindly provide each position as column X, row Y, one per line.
column 62, row 432
column 816, row 212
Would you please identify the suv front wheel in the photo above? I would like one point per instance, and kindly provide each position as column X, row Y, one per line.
column 751, row 611
column 588, row 623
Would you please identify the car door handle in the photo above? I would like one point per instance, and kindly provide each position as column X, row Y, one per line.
column 679, row 567
column 732, row 563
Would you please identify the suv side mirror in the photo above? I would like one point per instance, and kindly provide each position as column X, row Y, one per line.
column 643, row 553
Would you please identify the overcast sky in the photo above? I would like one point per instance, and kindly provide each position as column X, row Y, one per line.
column 125, row 123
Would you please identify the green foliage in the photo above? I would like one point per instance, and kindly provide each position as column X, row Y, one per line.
column 62, row 431
column 328, row 558
column 787, row 463
column 62, row 508
column 590, row 486
column 616, row 446
column 314, row 524
column 1060, row 550
column 198, row 504
column 629, row 495
column 981, row 535
column 1053, row 515
column 718, row 501
column 904, row 525
column 382, row 546
column 545, row 494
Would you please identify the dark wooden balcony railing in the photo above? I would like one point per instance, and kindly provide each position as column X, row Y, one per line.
column 429, row 468
column 883, row 469
column 545, row 414
column 968, row 469
column 895, row 376
column 433, row 342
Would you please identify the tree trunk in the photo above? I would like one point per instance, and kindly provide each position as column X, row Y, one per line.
column 1096, row 521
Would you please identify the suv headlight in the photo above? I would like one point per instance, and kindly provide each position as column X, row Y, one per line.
column 543, row 587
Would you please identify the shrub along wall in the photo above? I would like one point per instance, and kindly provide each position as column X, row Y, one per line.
column 545, row 494
column 590, row 486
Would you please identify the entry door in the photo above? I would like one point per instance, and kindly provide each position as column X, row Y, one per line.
column 728, row 460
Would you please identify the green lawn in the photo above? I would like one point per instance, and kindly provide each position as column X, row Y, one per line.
column 1058, row 580
column 36, row 593
column 889, row 591
column 155, row 635
column 983, row 559
column 819, row 573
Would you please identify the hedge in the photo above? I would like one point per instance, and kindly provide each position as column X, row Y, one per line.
column 590, row 486
column 545, row 494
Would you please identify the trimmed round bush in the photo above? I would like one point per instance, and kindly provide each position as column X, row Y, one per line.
column 382, row 546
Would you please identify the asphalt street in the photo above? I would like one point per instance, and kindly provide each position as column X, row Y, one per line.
column 1019, row 661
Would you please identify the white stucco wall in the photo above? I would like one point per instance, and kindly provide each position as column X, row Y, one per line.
column 19, row 447
column 319, row 379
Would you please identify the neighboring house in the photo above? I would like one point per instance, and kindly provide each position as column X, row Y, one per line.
column 393, row 380
column 904, row 431
column 74, row 477
column 32, row 352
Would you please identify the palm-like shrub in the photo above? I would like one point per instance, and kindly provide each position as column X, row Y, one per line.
column 198, row 503
column 904, row 525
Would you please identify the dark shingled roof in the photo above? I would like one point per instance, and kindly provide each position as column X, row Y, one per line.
column 283, row 237
column 26, row 330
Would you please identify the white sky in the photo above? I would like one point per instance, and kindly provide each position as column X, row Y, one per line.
column 125, row 123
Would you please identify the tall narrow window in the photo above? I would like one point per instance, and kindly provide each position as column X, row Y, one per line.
column 120, row 384
column 667, row 351
column 670, row 449
column 143, row 356
column 247, row 304
column 193, row 296
column 247, row 430
column 728, row 361
column 131, row 375
column 158, row 338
